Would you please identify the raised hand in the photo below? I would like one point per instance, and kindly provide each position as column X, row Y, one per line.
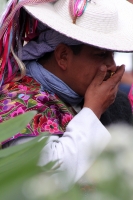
column 101, row 94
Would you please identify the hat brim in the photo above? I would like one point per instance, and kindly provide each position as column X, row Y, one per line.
column 120, row 40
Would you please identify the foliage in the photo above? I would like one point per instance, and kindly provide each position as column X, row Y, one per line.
column 18, row 163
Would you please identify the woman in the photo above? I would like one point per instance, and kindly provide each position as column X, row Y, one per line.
column 67, row 48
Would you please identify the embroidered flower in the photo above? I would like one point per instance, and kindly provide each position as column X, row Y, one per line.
column 43, row 97
column 7, row 104
column 55, row 110
column 39, row 120
column 12, row 94
column 22, row 87
column 51, row 126
column 17, row 112
column 66, row 119
column 43, row 120
column 50, row 115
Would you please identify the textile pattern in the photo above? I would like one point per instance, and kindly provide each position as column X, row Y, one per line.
column 19, row 97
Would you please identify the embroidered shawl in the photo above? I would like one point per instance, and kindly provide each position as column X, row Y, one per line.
column 19, row 97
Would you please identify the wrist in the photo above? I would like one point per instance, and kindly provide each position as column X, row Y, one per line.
column 97, row 111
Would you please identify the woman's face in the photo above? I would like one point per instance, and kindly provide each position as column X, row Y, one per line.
column 83, row 67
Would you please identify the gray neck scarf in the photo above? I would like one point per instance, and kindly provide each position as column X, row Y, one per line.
column 49, row 82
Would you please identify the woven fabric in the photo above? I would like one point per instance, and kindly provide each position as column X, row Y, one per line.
column 20, row 97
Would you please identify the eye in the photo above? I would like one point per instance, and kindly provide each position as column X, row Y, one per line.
column 104, row 54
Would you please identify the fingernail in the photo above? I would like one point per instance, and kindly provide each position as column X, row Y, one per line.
column 103, row 68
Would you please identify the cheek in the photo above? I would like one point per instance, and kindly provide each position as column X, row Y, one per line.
column 85, row 70
column 94, row 72
column 91, row 73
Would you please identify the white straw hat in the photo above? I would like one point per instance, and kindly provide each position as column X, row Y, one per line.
column 105, row 23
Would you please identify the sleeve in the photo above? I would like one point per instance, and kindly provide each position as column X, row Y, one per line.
column 84, row 139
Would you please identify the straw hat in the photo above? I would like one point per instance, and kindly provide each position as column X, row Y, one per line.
column 105, row 23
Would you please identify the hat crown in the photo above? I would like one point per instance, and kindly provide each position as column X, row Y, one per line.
column 99, row 15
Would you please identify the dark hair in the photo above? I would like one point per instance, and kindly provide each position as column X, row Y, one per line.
column 120, row 111
column 47, row 55
column 76, row 48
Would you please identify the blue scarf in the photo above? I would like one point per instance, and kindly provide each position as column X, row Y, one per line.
column 49, row 82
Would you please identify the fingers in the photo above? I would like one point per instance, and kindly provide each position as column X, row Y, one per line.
column 113, row 80
column 103, row 89
column 101, row 73
column 116, row 78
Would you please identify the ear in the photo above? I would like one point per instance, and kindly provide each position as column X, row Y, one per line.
column 62, row 55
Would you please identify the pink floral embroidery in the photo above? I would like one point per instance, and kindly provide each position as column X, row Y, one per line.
column 52, row 114
column 22, row 87
column 43, row 97
column 39, row 120
column 52, row 127
column 66, row 119
column 17, row 112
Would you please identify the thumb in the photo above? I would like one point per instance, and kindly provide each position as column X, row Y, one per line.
column 100, row 75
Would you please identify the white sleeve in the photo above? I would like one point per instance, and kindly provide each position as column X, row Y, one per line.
column 84, row 139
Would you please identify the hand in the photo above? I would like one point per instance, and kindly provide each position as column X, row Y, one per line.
column 101, row 94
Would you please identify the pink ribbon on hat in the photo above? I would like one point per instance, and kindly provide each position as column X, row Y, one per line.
column 77, row 8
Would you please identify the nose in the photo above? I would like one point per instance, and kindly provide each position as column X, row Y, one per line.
column 110, row 63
